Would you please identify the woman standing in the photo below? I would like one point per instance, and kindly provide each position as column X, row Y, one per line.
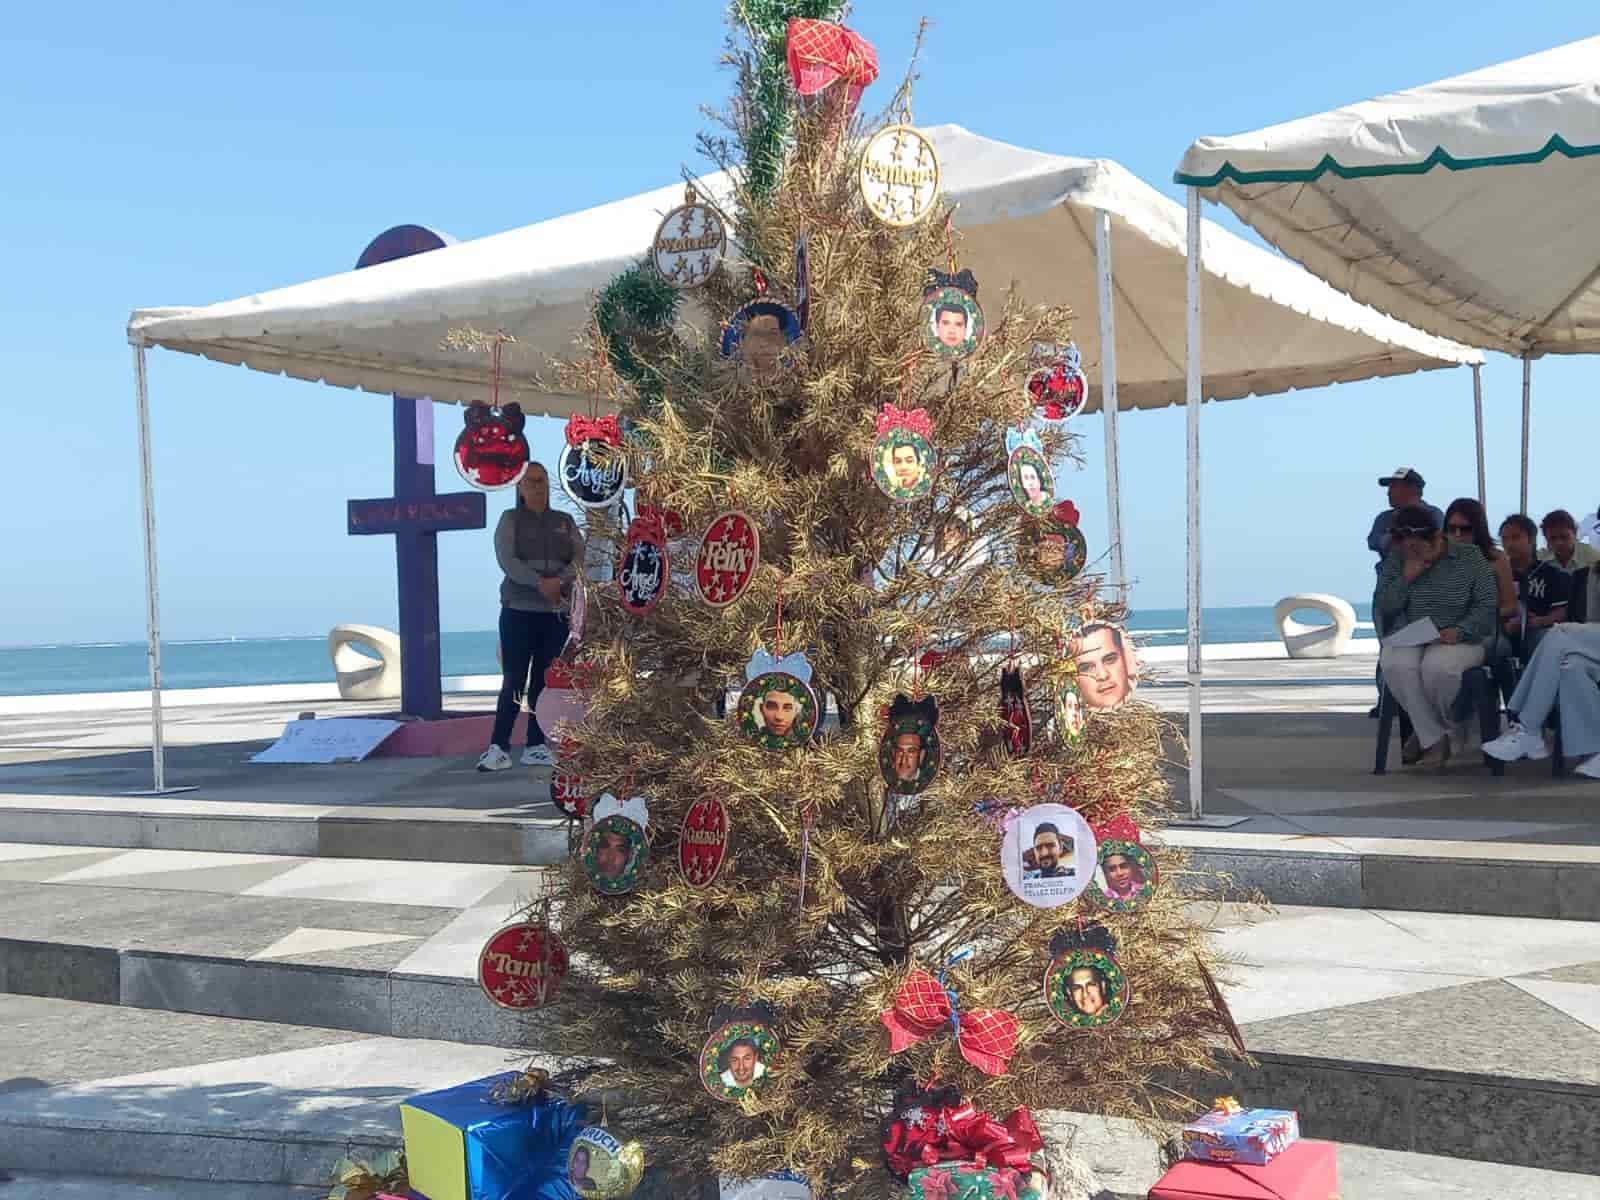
column 540, row 551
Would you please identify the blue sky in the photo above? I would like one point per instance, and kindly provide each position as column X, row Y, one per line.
column 181, row 153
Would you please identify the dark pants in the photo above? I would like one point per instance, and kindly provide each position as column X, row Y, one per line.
column 529, row 643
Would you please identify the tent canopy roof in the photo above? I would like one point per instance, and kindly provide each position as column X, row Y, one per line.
column 1464, row 207
column 1025, row 216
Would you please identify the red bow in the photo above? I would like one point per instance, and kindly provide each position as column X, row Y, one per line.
column 986, row 1037
column 1066, row 512
column 603, row 429
column 916, row 420
column 964, row 1134
column 1120, row 828
column 821, row 53
column 669, row 520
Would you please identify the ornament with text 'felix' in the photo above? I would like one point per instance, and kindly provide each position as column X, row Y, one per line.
column 728, row 557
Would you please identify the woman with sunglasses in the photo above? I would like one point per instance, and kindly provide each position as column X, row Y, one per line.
column 1427, row 575
column 1465, row 522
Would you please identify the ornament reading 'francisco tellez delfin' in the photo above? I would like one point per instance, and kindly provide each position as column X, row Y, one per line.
column 593, row 467
column 778, row 710
column 952, row 321
column 1028, row 472
column 1047, row 854
column 492, row 451
column 909, row 752
column 617, row 846
column 738, row 1054
column 1085, row 986
column 903, row 457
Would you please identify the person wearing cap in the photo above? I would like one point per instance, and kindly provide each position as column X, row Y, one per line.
column 1405, row 486
column 1428, row 575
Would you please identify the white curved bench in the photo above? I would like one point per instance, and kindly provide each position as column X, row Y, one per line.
column 361, row 676
column 1315, row 641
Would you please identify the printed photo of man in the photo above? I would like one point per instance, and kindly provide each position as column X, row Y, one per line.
column 1052, row 853
column 1105, row 667
column 907, row 758
column 950, row 323
column 1124, row 878
column 779, row 712
column 1087, row 991
column 903, row 466
column 611, row 854
column 741, row 1064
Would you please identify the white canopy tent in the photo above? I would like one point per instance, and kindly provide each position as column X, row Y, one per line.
column 1045, row 221
column 1464, row 207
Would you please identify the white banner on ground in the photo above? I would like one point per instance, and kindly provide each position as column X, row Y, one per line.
column 339, row 739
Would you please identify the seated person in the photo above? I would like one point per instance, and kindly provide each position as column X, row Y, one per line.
column 1565, row 669
column 1466, row 523
column 1561, row 544
column 1450, row 583
column 1542, row 587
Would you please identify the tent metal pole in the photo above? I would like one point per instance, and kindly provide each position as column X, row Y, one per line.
column 1477, row 416
column 152, row 584
column 1527, row 407
column 1192, row 398
column 1108, row 397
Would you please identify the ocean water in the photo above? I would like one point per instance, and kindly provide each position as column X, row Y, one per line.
column 229, row 662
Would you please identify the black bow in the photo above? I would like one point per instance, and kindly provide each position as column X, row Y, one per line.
column 758, row 1013
column 963, row 279
column 1090, row 937
column 926, row 709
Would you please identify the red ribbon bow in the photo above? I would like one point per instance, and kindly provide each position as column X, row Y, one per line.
column 1120, row 828
column 986, row 1037
column 582, row 429
column 892, row 417
column 668, row 520
column 963, row 1134
column 821, row 53
column 1066, row 512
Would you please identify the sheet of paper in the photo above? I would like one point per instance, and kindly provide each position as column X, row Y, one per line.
column 336, row 739
column 1418, row 633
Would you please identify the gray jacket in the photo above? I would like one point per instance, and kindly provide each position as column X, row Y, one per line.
column 533, row 546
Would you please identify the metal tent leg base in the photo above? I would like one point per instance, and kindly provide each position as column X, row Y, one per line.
column 1206, row 821
column 162, row 791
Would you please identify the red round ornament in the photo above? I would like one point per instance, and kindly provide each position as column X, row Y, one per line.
column 522, row 965
column 703, row 841
column 727, row 560
column 491, row 452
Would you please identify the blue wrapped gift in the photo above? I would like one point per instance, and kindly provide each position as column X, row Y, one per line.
column 1230, row 1134
column 461, row 1145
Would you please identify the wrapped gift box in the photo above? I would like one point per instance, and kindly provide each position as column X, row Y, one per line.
column 968, row 1181
column 1251, row 1135
column 461, row 1145
column 1305, row 1171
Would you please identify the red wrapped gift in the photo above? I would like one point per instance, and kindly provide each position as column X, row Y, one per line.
column 1305, row 1171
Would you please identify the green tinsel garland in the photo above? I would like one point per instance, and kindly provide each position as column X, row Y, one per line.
column 635, row 302
column 768, row 23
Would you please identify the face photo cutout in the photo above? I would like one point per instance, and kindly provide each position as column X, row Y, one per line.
column 777, row 708
column 1085, row 986
column 903, row 457
column 738, row 1055
column 593, row 467
column 1015, row 713
column 952, row 322
column 491, row 452
column 599, row 1167
column 1069, row 714
column 1052, row 549
column 759, row 336
column 1047, row 855
column 1108, row 671
column 1127, row 875
column 616, row 848
column 1028, row 472
column 909, row 752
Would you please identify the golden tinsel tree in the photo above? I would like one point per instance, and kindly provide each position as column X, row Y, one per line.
column 833, row 890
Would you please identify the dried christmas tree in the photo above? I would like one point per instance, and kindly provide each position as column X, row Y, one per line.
column 835, row 890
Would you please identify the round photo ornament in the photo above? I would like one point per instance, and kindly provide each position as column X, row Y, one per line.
column 1052, row 548
column 1127, row 876
column 1047, row 854
column 1028, row 472
column 739, row 1053
column 952, row 321
column 727, row 559
column 599, row 1167
column 903, row 458
column 778, row 710
column 593, row 467
column 616, row 846
column 759, row 335
column 1085, row 986
column 644, row 571
column 522, row 965
column 909, row 752
column 899, row 175
column 491, row 452
column 689, row 243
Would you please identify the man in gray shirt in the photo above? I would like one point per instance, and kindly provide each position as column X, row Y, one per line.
column 541, row 551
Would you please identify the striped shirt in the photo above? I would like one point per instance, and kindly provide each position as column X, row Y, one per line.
column 1458, row 591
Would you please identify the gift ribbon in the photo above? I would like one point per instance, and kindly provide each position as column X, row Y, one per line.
column 986, row 1037
column 892, row 417
column 581, row 429
column 1122, row 828
column 522, row 1088
column 821, row 53
column 1066, row 512
column 669, row 520
column 963, row 1134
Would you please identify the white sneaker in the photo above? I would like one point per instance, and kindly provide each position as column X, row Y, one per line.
column 1516, row 742
column 537, row 756
column 1590, row 768
column 494, row 759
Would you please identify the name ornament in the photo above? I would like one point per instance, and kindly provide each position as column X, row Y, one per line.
column 727, row 560
column 522, row 965
column 643, row 574
column 703, row 841
column 899, row 175
column 593, row 466
column 690, row 243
